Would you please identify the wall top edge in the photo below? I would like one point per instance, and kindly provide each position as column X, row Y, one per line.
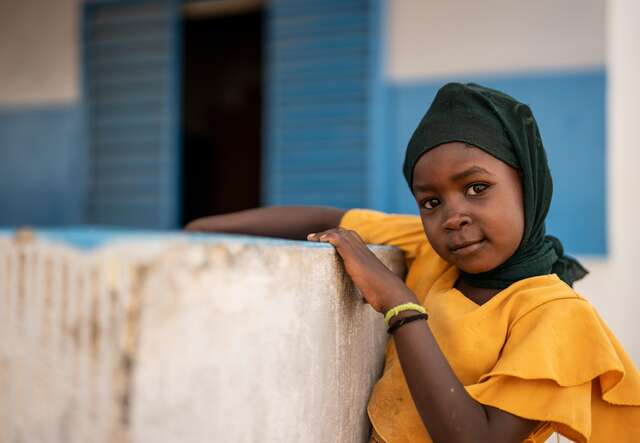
column 92, row 237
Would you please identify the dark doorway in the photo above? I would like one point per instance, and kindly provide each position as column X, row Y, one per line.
column 221, row 114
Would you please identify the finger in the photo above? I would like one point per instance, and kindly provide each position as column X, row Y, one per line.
column 329, row 234
column 316, row 236
column 336, row 238
column 345, row 240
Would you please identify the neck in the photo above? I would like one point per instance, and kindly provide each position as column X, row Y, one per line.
column 477, row 295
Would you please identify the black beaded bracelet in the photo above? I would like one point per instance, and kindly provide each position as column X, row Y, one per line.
column 403, row 321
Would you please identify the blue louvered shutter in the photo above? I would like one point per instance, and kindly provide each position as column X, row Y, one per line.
column 131, row 100
column 317, row 102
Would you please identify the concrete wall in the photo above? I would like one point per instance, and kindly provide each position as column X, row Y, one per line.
column 162, row 339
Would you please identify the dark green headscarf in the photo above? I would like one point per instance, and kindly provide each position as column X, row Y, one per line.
column 506, row 129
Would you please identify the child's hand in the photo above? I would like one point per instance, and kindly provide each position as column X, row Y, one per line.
column 381, row 288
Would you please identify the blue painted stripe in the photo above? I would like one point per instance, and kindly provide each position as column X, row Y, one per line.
column 42, row 165
column 379, row 155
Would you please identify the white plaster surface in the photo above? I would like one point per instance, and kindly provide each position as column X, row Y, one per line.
column 619, row 298
column 432, row 38
column 39, row 45
column 166, row 340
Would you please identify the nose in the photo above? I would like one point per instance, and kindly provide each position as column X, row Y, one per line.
column 456, row 219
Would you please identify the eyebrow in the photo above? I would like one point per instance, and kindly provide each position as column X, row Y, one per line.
column 468, row 172
column 457, row 176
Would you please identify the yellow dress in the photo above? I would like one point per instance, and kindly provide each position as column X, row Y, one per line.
column 537, row 349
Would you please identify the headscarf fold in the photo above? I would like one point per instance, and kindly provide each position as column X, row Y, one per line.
column 505, row 128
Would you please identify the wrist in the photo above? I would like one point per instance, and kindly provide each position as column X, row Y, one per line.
column 404, row 307
column 406, row 296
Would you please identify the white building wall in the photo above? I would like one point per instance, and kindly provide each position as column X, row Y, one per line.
column 38, row 52
column 430, row 38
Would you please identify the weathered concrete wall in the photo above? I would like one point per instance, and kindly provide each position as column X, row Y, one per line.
column 169, row 339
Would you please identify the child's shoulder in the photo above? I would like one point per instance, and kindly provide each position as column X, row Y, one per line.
column 375, row 227
column 547, row 297
column 554, row 333
column 358, row 217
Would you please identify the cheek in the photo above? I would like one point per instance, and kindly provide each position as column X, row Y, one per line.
column 437, row 242
column 509, row 223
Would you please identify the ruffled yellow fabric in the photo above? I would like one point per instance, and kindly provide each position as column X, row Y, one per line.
column 536, row 349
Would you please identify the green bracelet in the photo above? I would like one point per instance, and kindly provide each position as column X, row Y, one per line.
column 403, row 307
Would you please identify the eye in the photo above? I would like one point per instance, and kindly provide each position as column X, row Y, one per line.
column 476, row 189
column 430, row 203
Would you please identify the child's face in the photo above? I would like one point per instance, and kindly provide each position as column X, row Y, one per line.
column 471, row 206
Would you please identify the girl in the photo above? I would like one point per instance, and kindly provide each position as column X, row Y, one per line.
column 509, row 351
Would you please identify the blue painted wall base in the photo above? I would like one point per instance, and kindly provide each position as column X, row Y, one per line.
column 42, row 165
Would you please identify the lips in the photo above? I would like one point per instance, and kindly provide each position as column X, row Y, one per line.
column 466, row 247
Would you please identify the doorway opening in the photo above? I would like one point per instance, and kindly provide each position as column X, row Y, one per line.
column 221, row 111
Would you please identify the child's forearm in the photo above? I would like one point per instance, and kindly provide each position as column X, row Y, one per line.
column 447, row 410
column 293, row 222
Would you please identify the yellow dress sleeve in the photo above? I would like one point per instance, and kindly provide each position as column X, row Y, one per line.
column 400, row 230
column 561, row 364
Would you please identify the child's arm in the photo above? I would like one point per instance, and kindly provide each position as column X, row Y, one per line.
column 449, row 413
column 293, row 222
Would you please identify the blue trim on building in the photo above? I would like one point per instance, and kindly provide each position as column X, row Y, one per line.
column 380, row 155
column 570, row 110
column 41, row 165
column 83, row 73
column 174, row 120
